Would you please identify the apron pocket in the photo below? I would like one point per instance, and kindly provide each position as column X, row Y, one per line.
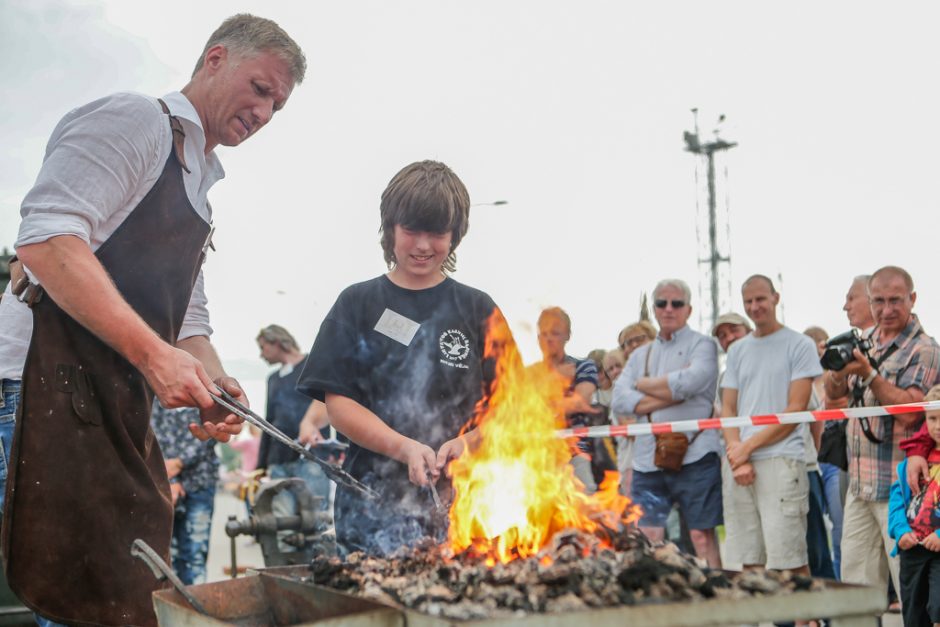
column 76, row 381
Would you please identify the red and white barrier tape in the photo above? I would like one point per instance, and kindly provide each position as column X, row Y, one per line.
column 796, row 417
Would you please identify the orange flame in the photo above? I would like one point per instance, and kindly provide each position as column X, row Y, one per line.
column 514, row 486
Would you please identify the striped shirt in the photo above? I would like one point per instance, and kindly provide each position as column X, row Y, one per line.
column 915, row 363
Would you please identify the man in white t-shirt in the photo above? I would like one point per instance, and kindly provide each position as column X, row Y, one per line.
column 765, row 489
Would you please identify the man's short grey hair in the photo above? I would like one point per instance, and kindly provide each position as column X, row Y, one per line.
column 679, row 284
column 249, row 35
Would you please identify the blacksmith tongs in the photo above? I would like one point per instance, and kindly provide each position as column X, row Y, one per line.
column 332, row 471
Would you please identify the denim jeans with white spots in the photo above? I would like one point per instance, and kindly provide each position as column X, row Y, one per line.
column 9, row 400
column 189, row 547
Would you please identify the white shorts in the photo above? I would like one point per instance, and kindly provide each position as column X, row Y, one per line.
column 765, row 522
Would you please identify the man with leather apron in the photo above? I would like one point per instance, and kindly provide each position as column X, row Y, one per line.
column 106, row 308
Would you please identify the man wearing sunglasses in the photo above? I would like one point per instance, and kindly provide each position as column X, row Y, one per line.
column 674, row 378
column 766, row 491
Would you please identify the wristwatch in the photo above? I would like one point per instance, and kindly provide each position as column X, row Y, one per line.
column 871, row 377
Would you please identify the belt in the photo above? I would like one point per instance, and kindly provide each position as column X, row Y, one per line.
column 24, row 290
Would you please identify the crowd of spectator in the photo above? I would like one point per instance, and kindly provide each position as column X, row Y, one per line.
column 772, row 487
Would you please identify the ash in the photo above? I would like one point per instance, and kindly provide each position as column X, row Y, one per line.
column 582, row 574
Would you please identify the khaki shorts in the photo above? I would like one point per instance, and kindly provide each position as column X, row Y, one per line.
column 765, row 522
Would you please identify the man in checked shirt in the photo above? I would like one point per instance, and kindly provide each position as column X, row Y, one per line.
column 906, row 365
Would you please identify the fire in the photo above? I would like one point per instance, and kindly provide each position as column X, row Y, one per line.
column 514, row 488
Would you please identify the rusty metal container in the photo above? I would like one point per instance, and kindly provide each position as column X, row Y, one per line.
column 261, row 600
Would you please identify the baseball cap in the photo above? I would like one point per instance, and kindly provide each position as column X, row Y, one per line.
column 730, row 318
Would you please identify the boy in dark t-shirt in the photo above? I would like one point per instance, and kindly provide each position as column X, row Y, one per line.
column 399, row 362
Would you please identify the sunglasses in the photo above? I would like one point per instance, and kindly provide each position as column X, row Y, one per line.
column 676, row 304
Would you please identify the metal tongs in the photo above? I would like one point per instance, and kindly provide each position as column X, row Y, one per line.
column 334, row 472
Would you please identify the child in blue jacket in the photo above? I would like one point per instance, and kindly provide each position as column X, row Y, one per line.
column 914, row 521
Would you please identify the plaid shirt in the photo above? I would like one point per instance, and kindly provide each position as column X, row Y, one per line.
column 200, row 461
column 915, row 363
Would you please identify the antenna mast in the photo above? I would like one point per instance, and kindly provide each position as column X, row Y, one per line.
column 714, row 253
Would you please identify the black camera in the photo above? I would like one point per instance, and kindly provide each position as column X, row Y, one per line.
column 838, row 353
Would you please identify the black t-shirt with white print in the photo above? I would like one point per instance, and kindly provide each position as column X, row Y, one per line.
column 415, row 359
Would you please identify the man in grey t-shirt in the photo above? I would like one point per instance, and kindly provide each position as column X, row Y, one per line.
column 765, row 486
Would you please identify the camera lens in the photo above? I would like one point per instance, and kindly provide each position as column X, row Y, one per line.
column 835, row 357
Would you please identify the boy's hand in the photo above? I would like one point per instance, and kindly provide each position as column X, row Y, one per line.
column 421, row 461
column 451, row 449
column 931, row 543
column 907, row 541
column 916, row 468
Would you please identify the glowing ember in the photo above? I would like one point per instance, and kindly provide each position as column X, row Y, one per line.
column 515, row 489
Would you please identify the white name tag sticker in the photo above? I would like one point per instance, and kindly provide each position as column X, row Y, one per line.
column 397, row 327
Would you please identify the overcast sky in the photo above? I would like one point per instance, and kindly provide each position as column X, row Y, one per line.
column 571, row 111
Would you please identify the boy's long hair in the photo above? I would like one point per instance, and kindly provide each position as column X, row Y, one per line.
column 425, row 196
column 933, row 394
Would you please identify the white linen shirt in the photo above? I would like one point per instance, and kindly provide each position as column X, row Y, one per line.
column 100, row 162
column 689, row 361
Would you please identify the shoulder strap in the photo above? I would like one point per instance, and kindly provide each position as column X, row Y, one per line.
column 179, row 135
column 858, row 394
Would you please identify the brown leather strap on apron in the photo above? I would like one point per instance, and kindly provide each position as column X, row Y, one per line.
column 86, row 476
column 179, row 136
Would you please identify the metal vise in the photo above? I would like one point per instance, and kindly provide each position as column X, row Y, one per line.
column 313, row 527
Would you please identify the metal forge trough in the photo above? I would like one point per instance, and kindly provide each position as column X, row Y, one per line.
column 284, row 596
column 573, row 582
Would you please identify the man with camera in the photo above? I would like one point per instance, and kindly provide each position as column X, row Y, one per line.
column 897, row 362
column 766, row 492
column 670, row 379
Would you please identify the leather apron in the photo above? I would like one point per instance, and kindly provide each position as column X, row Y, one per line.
column 86, row 476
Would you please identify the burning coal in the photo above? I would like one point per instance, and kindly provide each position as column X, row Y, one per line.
column 577, row 570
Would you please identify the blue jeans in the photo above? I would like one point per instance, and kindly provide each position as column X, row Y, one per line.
column 284, row 503
column 817, row 542
column 831, row 477
column 9, row 401
column 311, row 473
column 189, row 546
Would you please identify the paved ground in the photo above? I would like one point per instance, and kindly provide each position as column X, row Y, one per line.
column 247, row 551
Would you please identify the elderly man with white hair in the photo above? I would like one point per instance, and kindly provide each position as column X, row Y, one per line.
column 670, row 379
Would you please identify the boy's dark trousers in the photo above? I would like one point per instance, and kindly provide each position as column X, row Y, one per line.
column 920, row 586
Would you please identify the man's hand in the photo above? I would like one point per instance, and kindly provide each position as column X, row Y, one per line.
column 907, row 541
column 744, row 474
column 917, row 468
column 421, row 461
column 738, row 454
column 176, row 492
column 173, row 467
column 217, row 422
column 451, row 449
column 931, row 542
column 859, row 366
column 309, row 434
column 576, row 404
column 177, row 378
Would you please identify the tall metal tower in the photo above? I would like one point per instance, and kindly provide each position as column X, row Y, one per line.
column 712, row 230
